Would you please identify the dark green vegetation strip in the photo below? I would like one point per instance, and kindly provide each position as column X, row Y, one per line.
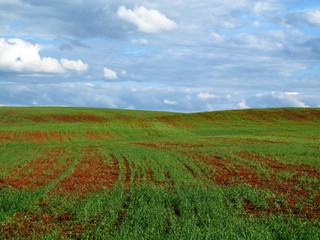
column 76, row 173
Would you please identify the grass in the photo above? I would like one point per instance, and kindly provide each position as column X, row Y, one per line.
column 118, row 174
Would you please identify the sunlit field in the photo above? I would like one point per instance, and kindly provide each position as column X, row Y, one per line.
column 77, row 173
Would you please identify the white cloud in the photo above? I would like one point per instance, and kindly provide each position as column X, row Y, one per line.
column 78, row 65
column 205, row 96
column 18, row 56
column 149, row 21
column 296, row 18
column 113, row 95
column 109, row 74
column 169, row 102
column 229, row 24
column 276, row 99
column 217, row 37
column 291, row 93
column 141, row 41
column 89, row 84
column 259, row 8
column 243, row 105
column 312, row 17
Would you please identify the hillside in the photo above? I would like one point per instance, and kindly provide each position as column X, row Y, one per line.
column 124, row 174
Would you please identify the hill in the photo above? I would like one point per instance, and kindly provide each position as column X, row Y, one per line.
column 123, row 174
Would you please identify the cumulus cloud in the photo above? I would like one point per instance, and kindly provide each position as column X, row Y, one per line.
column 217, row 37
column 149, row 21
column 309, row 17
column 114, row 95
column 275, row 99
column 18, row 56
column 77, row 66
column 141, row 41
column 109, row 74
column 242, row 105
column 89, row 84
column 312, row 17
column 169, row 102
column 262, row 7
column 205, row 95
column 270, row 47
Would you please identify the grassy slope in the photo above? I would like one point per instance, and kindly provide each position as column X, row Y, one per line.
column 225, row 175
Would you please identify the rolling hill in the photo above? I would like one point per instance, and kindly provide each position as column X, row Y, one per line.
column 80, row 173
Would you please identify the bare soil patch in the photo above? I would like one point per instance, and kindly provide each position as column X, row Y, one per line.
column 67, row 118
column 31, row 225
column 90, row 175
column 38, row 173
column 276, row 166
column 97, row 135
column 36, row 137
column 295, row 194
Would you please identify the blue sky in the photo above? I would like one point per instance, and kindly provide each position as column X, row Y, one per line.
column 177, row 55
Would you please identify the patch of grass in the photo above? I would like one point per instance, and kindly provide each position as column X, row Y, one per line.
column 251, row 174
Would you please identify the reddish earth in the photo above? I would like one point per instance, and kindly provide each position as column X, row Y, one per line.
column 227, row 172
column 38, row 137
column 39, row 172
column 91, row 174
column 127, row 173
column 67, row 118
column 34, row 136
column 97, row 135
column 141, row 179
column 30, row 225
column 295, row 194
column 286, row 114
column 297, row 170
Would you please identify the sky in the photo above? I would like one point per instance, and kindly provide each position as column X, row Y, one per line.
column 184, row 56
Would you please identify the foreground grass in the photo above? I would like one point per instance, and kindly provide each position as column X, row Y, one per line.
column 113, row 174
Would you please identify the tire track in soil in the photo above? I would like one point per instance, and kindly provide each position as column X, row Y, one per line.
column 127, row 181
column 297, row 170
column 122, row 213
column 174, row 146
column 151, row 179
column 226, row 173
column 291, row 188
column 91, row 174
column 189, row 170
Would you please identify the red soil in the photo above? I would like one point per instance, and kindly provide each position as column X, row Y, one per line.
column 38, row 173
column 97, row 135
column 225, row 172
column 67, row 118
column 34, row 136
column 30, row 225
column 128, row 173
column 90, row 175
column 276, row 166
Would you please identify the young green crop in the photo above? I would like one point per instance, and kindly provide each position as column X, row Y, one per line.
column 120, row 174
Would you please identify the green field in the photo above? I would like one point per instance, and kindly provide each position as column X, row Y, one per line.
column 77, row 173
